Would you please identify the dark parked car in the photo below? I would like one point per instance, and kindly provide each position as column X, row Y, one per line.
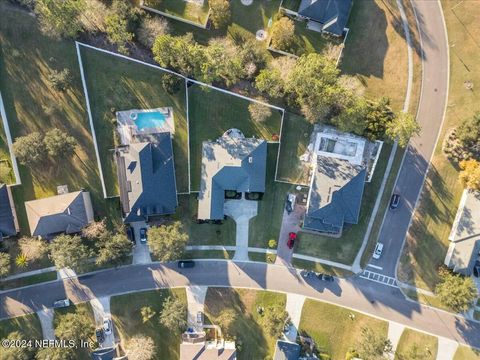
column 183, row 264
column 394, row 201
column 291, row 240
column 325, row 277
column 290, row 203
column 130, row 234
column 100, row 336
column 476, row 269
column 143, row 235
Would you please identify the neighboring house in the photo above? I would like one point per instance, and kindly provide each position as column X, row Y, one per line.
column 66, row 213
column 146, row 177
column 8, row 218
column 195, row 347
column 337, row 184
column 286, row 350
column 464, row 238
column 231, row 163
column 326, row 15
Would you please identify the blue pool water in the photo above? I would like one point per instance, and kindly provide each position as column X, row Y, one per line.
column 149, row 120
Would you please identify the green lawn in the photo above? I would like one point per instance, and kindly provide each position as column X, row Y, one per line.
column 127, row 320
column 6, row 171
column 466, row 353
column 211, row 113
column 182, row 9
column 427, row 242
column 115, row 84
column 252, row 338
column 333, row 329
column 291, row 4
column 414, row 341
column 296, row 132
column 262, row 257
column 203, row 234
column 26, row 60
column 209, row 254
column 345, row 248
column 28, row 325
column 28, row 280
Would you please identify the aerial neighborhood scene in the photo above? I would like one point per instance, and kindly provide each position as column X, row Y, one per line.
column 239, row 179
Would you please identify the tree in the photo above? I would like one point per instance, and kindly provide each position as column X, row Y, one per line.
column 402, row 128
column 174, row 314
column 93, row 16
column 33, row 248
column 273, row 320
column 373, row 346
column 30, row 149
column 115, row 250
column 171, row 83
column 69, row 251
column 59, row 144
column 4, row 264
column 253, row 55
column 95, row 230
column 56, row 353
column 140, row 348
column 283, row 34
column 270, row 82
column 21, row 261
column 221, row 62
column 74, row 326
column 455, row 291
column 226, row 319
column 167, row 242
column 150, row 28
column 220, row 13
column 469, row 132
column 379, row 115
column 353, row 117
column 16, row 352
column 470, row 174
column 259, row 112
column 60, row 80
column 60, row 17
column 147, row 313
column 117, row 32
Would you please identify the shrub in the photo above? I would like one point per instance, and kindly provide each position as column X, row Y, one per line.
column 150, row 28
column 30, row 149
column 171, row 83
column 220, row 13
column 283, row 34
column 60, row 80
column 259, row 112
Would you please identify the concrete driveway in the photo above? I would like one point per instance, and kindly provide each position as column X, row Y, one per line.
column 290, row 223
column 101, row 309
column 141, row 252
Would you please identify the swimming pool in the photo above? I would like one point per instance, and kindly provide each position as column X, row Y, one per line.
column 150, row 120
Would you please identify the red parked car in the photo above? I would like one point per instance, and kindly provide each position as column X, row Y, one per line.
column 291, row 240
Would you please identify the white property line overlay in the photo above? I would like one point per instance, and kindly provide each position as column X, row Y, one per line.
column 6, row 128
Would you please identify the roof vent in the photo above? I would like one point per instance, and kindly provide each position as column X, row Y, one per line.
column 250, row 159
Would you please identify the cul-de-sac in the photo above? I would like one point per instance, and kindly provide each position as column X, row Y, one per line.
column 240, row 179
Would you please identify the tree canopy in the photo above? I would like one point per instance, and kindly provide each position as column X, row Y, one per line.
column 115, row 250
column 30, row 149
column 59, row 144
column 470, row 174
column 140, row 348
column 167, row 242
column 283, row 34
column 220, row 13
column 69, row 251
column 74, row 326
column 4, row 264
column 174, row 314
column 373, row 346
column 455, row 291
column 60, row 17
column 402, row 128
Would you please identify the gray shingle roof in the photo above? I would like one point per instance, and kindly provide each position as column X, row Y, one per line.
column 67, row 213
column 230, row 164
column 333, row 14
column 7, row 222
column 147, row 177
column 285, row 350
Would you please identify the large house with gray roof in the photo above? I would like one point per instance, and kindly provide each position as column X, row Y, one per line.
column 337, row 184
column 66, row 213
column 8, row 219
column 231, row 163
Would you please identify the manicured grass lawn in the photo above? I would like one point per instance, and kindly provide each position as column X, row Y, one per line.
column 115, row 84
column 375, row 50
column 182, row 9
column 332, row 328
column 28, row 325
column 345, row 248
column 254, row 340
column 6, row 172
column 127, row 320
column 427, row 242
column 426, row 345
column 203, row 234
column 29, row 280
column 266, row 225
column 466, row 353
column 262, row 257
column 209, row 254
column 296, row 132
column 31, row 104
column 211, row 113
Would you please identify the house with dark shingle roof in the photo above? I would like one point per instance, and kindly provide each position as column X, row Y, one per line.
column 336, row 189
column 326, row 15
column 146, row 176
column 231, row 163
column 66, row 213
column 8, row 219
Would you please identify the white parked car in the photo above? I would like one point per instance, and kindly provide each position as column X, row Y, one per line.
column 107, row 325
column 378, row 251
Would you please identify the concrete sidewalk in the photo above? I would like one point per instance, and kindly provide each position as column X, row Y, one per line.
column 294, row 308
column 46, row 321
column 395, row 331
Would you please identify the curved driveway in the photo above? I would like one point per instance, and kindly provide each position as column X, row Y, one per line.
column 430, row 116
column 362, row 295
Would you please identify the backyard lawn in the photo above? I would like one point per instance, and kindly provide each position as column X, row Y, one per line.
column 27, row 59
column 345, row 248
column 211, row 113
column 427, row 241
column 414, row 341
column 128, row 322
column 253, row 339
column 466, row 353
column 183, row 9
column 115, row 84
column 202, row 234
column 334, row 329
column 6, row 171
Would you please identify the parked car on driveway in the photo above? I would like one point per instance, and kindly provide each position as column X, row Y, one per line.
column 199, row 318
column 394, row 201
column 143, row 235
column 290, row 203
column 325, row 277
column 61, row 303
column 291, row 240
column 183, row 264
column 107, row 325
column 378, row 251
column 100, row 336
column 476, row 269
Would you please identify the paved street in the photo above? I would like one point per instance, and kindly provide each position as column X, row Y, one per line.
column 356, row 293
